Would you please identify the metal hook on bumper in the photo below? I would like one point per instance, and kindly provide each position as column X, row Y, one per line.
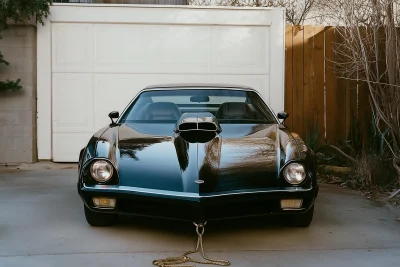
column 200, row 227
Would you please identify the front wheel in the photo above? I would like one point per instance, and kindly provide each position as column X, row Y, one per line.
column 299, row 220
column 99, row 219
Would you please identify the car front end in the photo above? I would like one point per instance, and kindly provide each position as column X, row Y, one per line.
column 214, row 153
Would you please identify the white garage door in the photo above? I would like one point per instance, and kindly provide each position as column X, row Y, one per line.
column 101, row 56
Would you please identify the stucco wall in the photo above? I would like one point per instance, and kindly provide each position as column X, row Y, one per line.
column 18, row 109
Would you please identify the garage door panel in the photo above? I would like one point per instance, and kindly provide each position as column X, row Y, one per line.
column 73, row 102
column 195, row 49
column 66, row 147
column 101, row 57
column 72, row 47
column 240, row 49
column 150, row 48
column 115, row 91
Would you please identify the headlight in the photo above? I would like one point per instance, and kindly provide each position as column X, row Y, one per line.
column 101, row 171
column 294, row 173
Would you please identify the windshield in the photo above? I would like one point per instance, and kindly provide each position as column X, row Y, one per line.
column 227, row 105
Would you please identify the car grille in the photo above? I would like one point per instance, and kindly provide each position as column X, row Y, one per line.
column 195, row 211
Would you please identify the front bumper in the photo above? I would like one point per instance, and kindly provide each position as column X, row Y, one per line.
column 196, row 207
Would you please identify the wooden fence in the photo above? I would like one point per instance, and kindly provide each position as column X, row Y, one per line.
column 315, row 96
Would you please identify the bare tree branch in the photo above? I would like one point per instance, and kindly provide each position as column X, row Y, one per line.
column 369, row 52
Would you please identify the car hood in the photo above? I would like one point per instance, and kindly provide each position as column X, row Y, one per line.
column 240, row 157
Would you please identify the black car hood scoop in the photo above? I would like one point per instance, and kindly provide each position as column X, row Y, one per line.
column 197, row 127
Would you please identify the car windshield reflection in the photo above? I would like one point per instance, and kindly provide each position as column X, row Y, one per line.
column 227, row 105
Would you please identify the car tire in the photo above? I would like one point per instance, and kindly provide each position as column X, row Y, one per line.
column 299, row 220
column 98, row 219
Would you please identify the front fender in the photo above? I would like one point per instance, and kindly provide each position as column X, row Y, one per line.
column 294, row 149
column 102, row 144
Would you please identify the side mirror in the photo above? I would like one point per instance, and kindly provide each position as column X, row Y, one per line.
column 113, row 115
column 283, row 116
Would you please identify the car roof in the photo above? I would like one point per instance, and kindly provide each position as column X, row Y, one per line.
column 197, row 85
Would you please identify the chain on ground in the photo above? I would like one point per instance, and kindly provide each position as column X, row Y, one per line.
column 184, row 260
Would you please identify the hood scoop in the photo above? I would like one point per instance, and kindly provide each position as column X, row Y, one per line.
column 198, row 122
column 197, row 127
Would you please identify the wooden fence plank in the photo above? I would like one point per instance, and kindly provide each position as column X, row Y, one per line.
column 351, row 104
column 309, row 121
column 335, row 95
column 341, row 93
column 364, row 109
column 319, row 81
column 347, row 82
column 298, row 81
column 289, row 75
column 313, row 91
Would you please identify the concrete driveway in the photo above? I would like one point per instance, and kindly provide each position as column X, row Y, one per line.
column 42, row 224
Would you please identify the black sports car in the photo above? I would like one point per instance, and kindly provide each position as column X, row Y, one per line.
column 197, row 152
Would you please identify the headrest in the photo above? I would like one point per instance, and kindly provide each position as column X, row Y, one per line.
column 162, row 111
column 234, row 110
